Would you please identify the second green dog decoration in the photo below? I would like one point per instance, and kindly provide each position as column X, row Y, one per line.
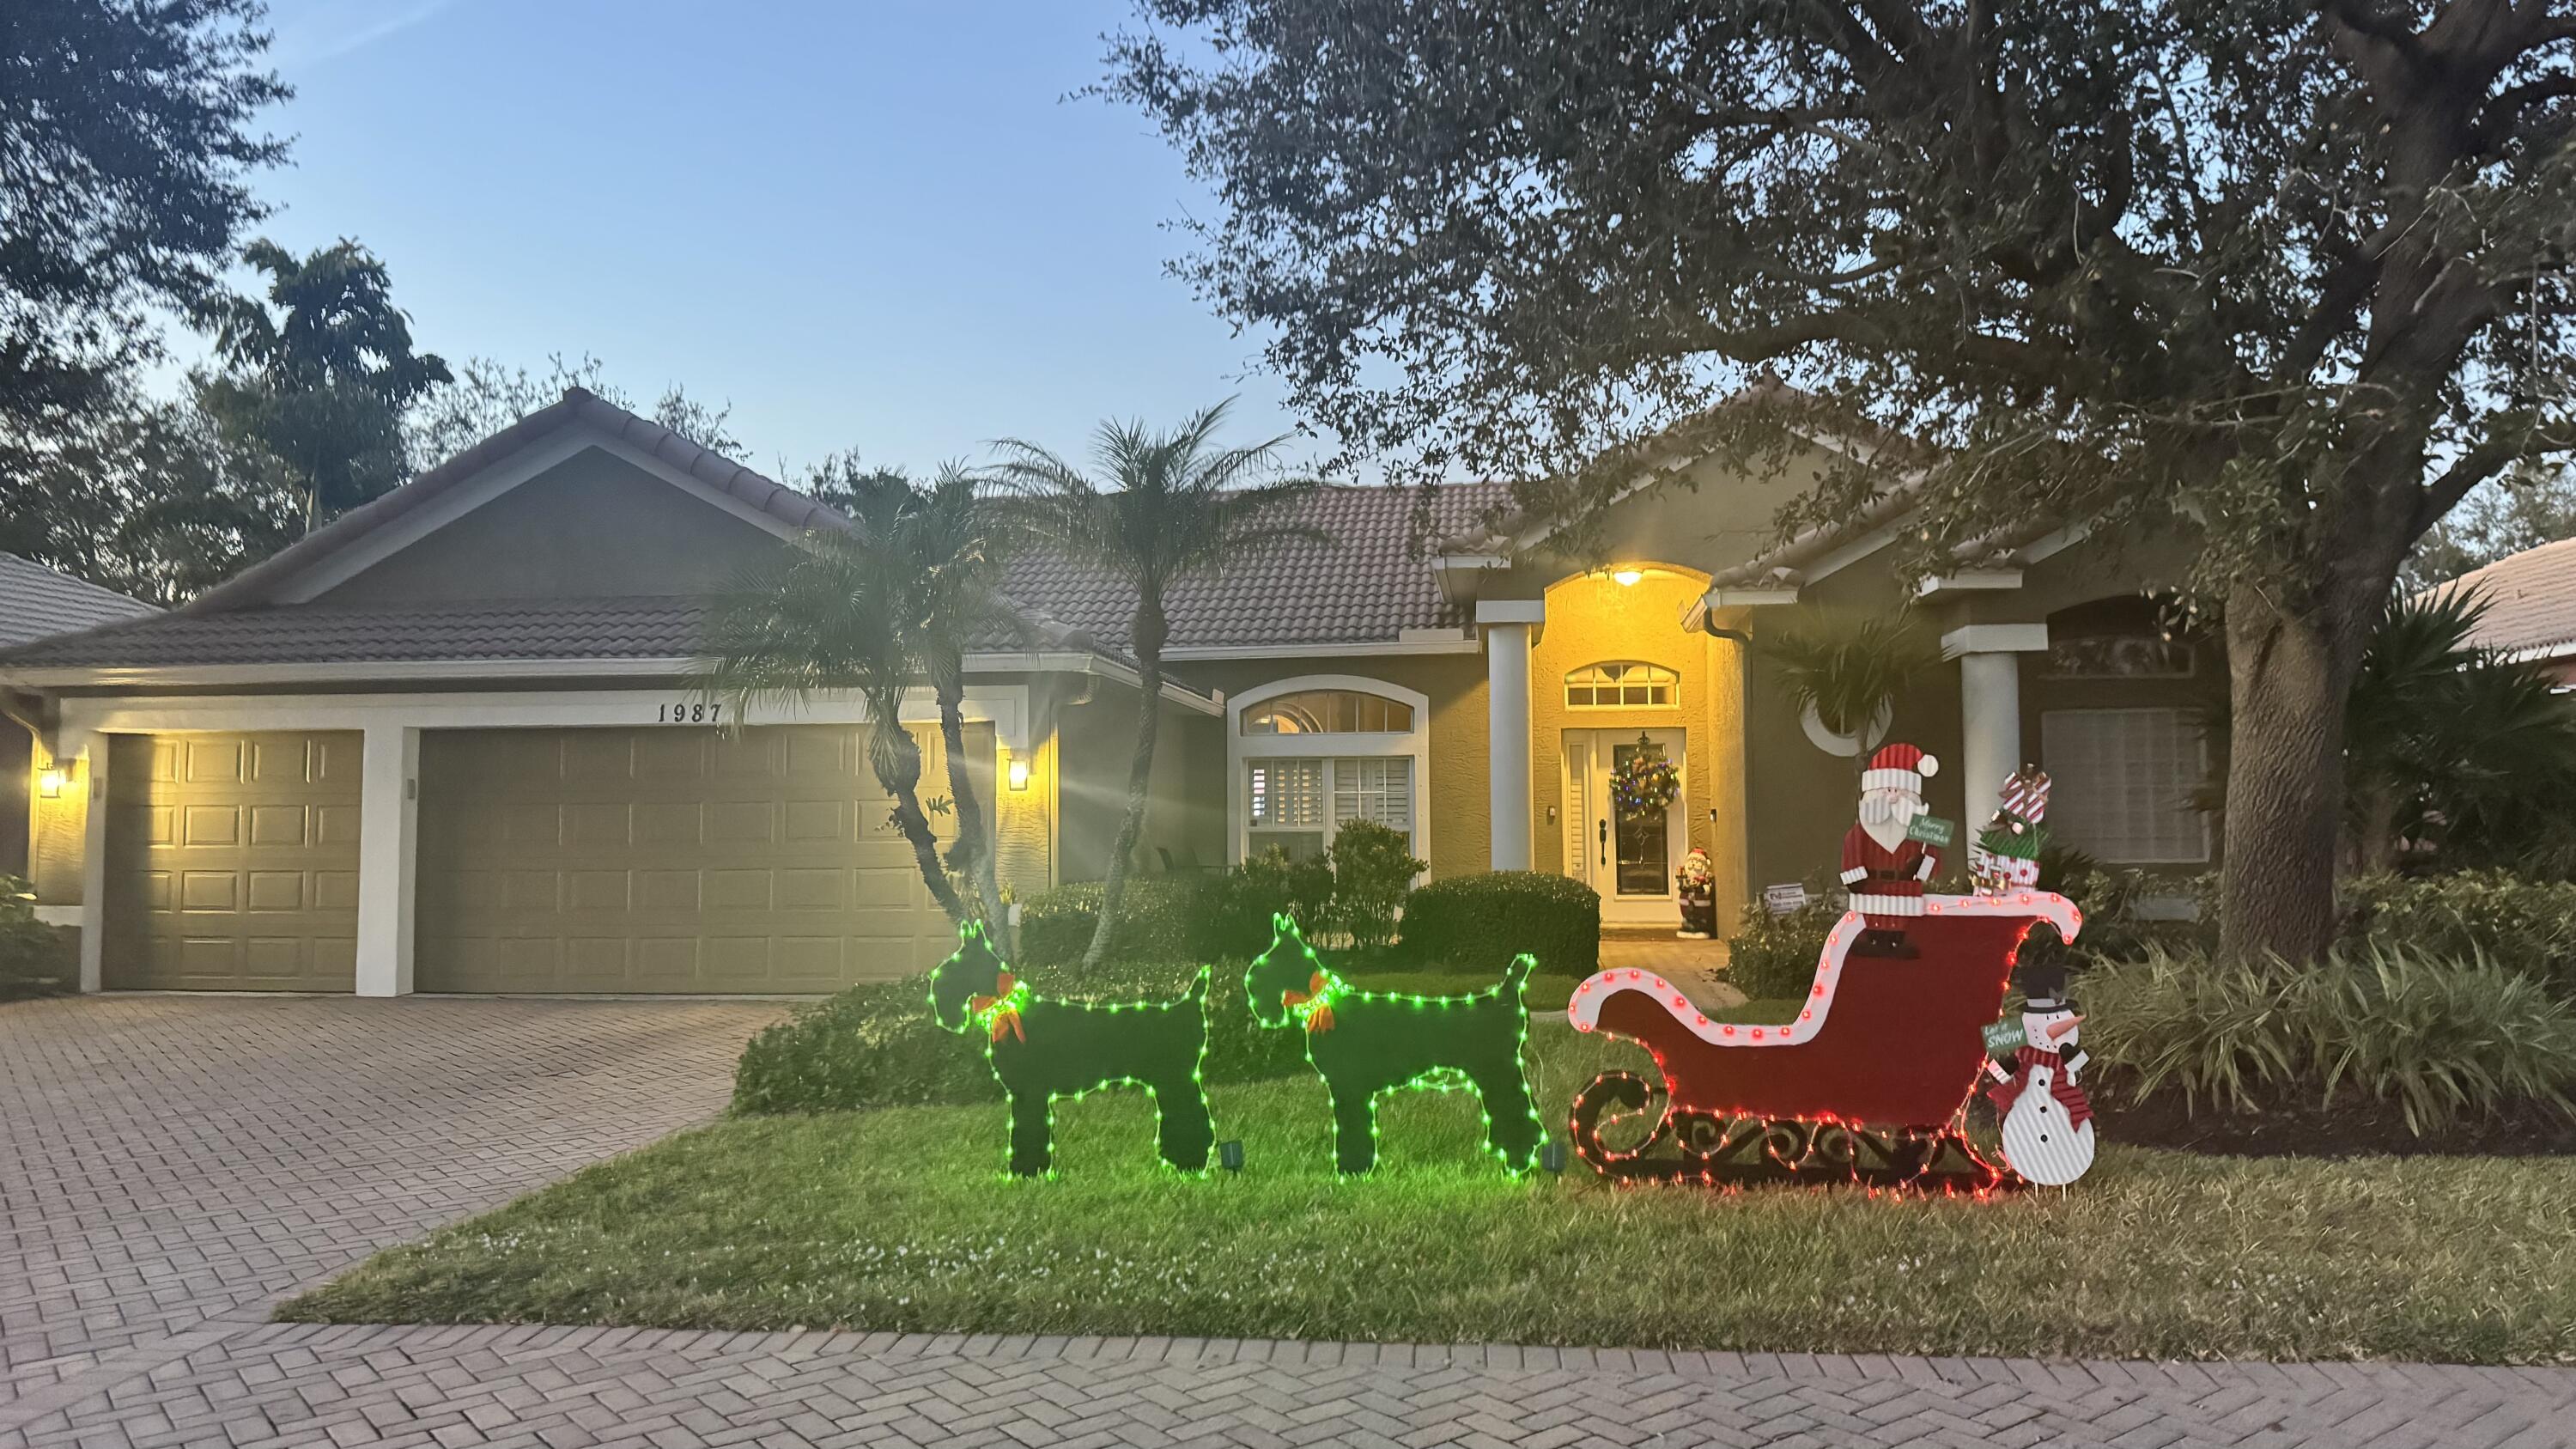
column 1366, row 1044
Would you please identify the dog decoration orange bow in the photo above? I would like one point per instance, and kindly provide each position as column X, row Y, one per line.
column 1319, row 1015
column 1003, row 1006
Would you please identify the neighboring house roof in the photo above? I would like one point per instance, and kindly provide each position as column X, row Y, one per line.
column 647, row 627
column 2531, row 601
column 1365, row 588
column 36, row 602
column 578, row 405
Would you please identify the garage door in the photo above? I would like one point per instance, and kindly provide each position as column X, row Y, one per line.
column 232, row 862
column 667, row 860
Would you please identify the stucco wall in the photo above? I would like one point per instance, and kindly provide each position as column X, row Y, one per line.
column 592, row 526
column 1457, row 783
column 1096, row 744
column 58, row 836
column 17, row 788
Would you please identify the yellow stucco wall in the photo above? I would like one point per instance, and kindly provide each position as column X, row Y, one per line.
column 57, row 831
column 1594, row 619
column 1095, row 745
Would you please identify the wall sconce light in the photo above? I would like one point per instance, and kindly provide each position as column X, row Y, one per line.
column 1626, row 578
column 49, row 783
column 1018, row 774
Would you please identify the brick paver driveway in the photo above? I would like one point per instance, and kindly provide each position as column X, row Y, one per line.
column 176, row 1165
column 165, row 1160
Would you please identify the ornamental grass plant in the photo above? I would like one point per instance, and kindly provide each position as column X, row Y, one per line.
column 2439, row 1038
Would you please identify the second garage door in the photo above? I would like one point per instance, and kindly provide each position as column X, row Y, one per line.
column 667, row 860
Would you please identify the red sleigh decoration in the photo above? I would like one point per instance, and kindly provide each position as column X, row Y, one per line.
column 1869, row 1084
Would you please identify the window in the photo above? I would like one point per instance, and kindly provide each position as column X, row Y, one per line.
column 1329, row 712
column 2123, row 781
column 2119, row 656
column 1297, row 804
column 1623, row 685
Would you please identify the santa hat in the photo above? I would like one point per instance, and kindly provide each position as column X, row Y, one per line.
column 1899, row 767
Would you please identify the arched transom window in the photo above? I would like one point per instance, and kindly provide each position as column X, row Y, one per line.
column 1622, row 684
column 1313, row 753
column 1328, row 712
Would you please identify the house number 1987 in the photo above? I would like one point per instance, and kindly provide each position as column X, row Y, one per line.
column 689, row 714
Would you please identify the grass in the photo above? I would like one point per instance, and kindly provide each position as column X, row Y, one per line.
column 901, row 1219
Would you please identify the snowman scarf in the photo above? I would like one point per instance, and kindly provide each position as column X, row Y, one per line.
column 2079, row 1109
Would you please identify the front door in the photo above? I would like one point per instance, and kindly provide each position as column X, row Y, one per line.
column 1627, row 854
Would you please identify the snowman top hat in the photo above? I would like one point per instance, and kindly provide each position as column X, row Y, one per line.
column 2043, row 988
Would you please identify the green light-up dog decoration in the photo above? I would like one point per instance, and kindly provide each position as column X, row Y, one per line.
column 1043, row 1048
column 1369, row 1043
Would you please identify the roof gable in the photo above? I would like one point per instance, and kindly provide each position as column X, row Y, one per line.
column 373, row 532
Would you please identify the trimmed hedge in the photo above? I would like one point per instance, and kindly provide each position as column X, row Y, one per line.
column 35, row 959
column 2524, row 926
column 876, row 1046
column 1480, row 922
column 1158, row 920
column 1775, row 956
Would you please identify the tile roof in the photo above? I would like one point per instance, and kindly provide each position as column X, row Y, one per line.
column 36, row 601
column 643, row 627
column 1365, row 588
column 2531, row 599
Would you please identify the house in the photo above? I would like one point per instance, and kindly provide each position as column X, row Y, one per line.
column 2530, row 606
column 446, row 743
column 36, row 601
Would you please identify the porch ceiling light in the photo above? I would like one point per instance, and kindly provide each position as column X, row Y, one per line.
column 1627, row 577
column 1019, row 774
column 49, row 783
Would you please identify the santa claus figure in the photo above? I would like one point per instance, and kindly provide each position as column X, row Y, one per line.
column 1882, row 867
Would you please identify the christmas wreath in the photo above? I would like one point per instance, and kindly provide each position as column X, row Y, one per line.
column 1645, row 780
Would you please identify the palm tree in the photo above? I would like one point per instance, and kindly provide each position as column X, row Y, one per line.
column 887, row 606
column 1849, row 669
column 318, row 376
column 1168, row 505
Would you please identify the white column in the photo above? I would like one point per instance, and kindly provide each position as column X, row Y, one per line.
column 1990, row 728
column 91, row 750
column 388, row 858
column 1507, row 697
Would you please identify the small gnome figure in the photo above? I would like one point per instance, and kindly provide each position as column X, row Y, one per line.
column 2047, row 1120
column 2005, row 855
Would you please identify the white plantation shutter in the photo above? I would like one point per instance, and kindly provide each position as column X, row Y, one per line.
column 2122, row 781
column 1379, row 789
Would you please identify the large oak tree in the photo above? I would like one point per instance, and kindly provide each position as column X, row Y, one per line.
column 2288, row 277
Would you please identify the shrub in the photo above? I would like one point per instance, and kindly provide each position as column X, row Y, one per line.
column 1235, row 916
column 2438, row 1037
column 1155, row 922
column 876, row 1046
column 2522, row 925
column 1775, row 956
column 1480, row 922
column 35, row 959
column 870, row 1046
column 1373, row 871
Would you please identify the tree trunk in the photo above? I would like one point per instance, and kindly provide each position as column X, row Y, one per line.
column 1151, row 628
column 897, row 763
column 973, row 853
column 2287, row 681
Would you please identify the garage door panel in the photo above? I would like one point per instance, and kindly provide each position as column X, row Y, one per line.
column 204, row 825
column 283, row 826
column 336, row 890
column 232, row 861
column 682, row 861
column 212, row 761
column 276, row 890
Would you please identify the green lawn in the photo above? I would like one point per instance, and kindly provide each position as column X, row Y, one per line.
column 901, row 1219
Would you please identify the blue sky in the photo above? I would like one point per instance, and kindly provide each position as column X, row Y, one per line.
column 873, row 225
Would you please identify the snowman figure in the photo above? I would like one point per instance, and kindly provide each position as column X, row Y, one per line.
column 2047, row 1121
